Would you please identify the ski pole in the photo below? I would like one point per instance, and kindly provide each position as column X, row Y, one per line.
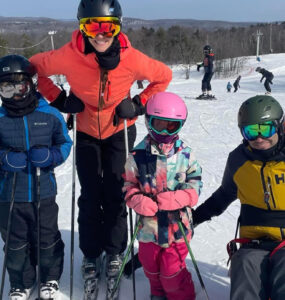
column 130, row 214
column 193, row 258
column 72, row 208
column 8, row 234
column 38, row 174
column 125, row 258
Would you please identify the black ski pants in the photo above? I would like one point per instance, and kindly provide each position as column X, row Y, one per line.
column 206, row 85
column 22, row 250
column 102, row 216
column 254, row 275
column 268, row 80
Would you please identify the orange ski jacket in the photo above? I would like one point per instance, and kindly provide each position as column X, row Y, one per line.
column 100, row 90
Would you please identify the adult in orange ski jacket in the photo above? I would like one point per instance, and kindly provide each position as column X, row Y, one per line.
column 100, row 66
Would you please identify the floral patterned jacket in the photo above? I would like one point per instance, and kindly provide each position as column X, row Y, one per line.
column 151, row 170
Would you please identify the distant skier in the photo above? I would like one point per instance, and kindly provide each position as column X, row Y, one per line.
column 229, row 87
column 268, row 78
column 208, row 64
column 33, row 135
column 162, row 183
column 236, row 83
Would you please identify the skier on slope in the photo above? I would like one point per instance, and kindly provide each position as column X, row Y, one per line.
column 32, row 135
column 101, row 66
column 268, row 79
column 162, row 182
column 236, row 84
column 254, row 173
column 229, row 87
column 208, row 64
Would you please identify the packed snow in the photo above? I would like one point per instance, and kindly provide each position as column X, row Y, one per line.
column 211, row 130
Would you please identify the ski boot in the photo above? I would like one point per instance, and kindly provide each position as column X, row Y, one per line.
column 268, row 93
column 211, row 97
column 91, row 272
column 49, row 290
column 202, row 96
column 113, row 266
column 19, row 294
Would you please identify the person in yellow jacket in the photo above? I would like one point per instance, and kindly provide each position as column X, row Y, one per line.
column 255, row 174
column 100, row 66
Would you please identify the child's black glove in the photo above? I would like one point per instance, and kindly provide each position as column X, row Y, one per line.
column 128, row 109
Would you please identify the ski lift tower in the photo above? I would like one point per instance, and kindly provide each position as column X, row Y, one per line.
column 51, row 33
column 258, row 35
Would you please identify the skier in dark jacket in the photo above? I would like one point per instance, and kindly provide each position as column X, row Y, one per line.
column 254, row 173
column 32, row 135
column 208, row 64
column 236, row 83
column 268, row 79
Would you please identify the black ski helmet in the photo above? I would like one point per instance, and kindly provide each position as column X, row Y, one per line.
column 207, row 49
column 258, row 69
column 99, row 8
column 11, row 64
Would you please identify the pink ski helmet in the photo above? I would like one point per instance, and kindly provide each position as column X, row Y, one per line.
column 168, row 106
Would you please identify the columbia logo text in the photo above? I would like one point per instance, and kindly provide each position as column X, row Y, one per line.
column 40, row 123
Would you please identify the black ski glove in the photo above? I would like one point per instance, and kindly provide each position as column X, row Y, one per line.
column 128, row 109
column 198, row 68
column 59, row 101
column 71, row 104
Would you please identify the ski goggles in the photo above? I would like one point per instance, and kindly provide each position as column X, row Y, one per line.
column 265, row 130
column 108, row 26
column 163, row 125
column 10, row 89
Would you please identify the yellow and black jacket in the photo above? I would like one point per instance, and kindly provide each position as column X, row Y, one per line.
column 259, row 183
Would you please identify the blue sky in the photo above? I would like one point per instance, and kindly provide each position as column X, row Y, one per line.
column 229, row 10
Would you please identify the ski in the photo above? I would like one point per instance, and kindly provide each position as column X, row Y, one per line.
column 110, row 287
column 206, row 97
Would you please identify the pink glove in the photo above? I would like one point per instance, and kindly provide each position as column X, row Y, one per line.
column 173, row 200
column 143, row 205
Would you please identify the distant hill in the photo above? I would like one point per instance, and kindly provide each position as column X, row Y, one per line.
column 39, row 25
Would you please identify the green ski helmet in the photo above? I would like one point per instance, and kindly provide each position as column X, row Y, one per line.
column 260, row 109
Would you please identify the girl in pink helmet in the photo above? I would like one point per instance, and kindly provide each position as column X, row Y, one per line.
column 162, row 183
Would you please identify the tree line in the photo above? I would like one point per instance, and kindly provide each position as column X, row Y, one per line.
column 175, row 45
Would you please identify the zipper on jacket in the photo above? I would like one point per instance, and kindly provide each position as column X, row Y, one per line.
column 266, row 192
column 102, row 85
column 28, row 163
column 282, row 233
column 271, row 191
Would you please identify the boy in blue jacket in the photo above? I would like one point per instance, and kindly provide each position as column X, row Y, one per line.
column 32, row 135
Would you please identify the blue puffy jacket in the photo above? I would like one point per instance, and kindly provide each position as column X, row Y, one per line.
column 45, row 126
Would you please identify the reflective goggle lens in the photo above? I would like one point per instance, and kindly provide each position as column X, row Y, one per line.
column 108, row 26
column 265, row 130
column 164, row 125
column 11, row 89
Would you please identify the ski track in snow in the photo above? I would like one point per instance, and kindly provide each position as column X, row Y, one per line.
column 211, row 130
